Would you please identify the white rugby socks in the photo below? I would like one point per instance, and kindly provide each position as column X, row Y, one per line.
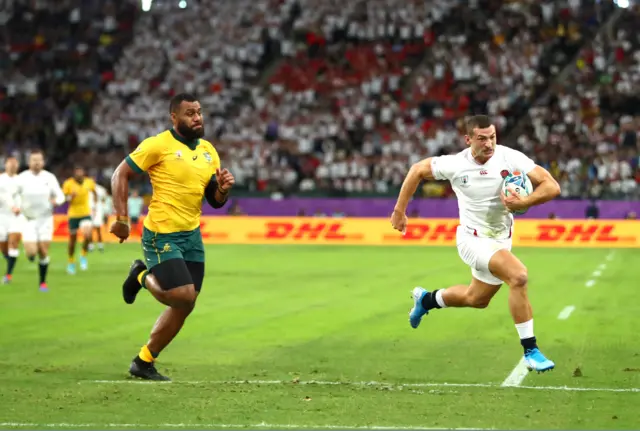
column 525, row 329
column 439, row 299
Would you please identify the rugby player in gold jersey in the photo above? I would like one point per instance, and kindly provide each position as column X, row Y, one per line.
column 184, row 170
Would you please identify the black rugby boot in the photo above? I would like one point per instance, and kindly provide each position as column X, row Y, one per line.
column 146, row 371
column 131, row 285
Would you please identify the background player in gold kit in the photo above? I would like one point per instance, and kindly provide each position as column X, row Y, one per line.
column 184, row 170
column 78, row 190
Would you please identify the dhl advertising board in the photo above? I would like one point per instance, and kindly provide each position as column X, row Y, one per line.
column 378, row 231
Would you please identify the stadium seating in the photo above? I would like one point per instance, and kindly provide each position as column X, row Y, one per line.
column 308, row 96
column 56, row 58
column 585, row 130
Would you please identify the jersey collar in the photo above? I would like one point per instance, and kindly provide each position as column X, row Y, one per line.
column 191, row 144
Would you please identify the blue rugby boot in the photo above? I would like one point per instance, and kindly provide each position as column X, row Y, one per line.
column 416, row 313
column 536, row 361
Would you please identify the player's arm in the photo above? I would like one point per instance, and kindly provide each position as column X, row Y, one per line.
column 57, row 196
column 214, row 195
column 217, row 191
column 9, row 198
column 420, row 171
column 94, row 193
column 545, row 187
column 142, row 159
column 68, row 191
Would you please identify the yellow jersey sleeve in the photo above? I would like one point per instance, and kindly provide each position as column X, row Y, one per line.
column 66, row 188
column 145, row 156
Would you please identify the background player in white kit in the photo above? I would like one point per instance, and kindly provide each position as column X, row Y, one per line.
column 39, row 192
column 98, row 204
column 10, row 218
column 484, row 235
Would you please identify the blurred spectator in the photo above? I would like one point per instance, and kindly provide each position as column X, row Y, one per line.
column 585, row 129
column 592, row 211
column 56, row 57
column 328, row 97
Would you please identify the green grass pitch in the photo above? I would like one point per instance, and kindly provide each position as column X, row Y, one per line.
column 278, row 317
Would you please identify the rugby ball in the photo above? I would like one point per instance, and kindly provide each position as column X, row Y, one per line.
column 517, row 183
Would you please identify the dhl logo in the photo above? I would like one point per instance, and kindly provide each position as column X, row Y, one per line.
column 581, row 232
column 365, row 231
column 426, row 231
column 311, row 230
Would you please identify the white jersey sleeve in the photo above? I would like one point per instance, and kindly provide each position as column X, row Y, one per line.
column 444, row 167
column 519, row 161
column 8, row 190
column 56, row 190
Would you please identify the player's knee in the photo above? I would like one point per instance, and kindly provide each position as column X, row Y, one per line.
column 519, row 279
column 186, row 300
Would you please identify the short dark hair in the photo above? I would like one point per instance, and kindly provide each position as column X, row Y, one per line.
column 178, row 99
column 476, row 121
column 36, row 151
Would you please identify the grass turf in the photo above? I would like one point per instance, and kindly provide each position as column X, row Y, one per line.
column 325, row 313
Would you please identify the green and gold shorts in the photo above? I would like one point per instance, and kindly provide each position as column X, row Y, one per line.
column 160, row 247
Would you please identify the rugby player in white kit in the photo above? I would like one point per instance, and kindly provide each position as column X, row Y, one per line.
column 39, row 192
column 10, row 218
column 98, row 204
column 486, row 225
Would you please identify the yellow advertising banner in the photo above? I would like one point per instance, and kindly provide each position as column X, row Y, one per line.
column 376, row 231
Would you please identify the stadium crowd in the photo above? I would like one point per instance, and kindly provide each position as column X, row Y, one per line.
column 328, row 96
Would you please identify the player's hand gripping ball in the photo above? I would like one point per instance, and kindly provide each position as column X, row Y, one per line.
column 515, row 188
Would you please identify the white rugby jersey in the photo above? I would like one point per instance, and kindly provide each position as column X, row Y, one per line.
column 35, row 192
column 101, row 193
column 8, row 191
column 478, row 187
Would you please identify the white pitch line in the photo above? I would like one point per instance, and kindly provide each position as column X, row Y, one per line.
column 218, row 426
column 590, row 283
column 359, row 384
column 602, row 266
column 566, row 312
column 294, row 383
column 517, row 375
column 574, row 389
column 610, row 255
column 597, row 273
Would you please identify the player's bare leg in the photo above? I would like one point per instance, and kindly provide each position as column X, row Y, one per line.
column 180, row 301
column 13, row 251
column 505, row 266
column 478, row 294
column 172, row 319
column 31, row 250
column 4, row 248
column 71, row 248
column 98, row 232
column 43, row 264
column 87, row 232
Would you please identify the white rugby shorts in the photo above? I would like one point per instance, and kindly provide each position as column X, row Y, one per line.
column 476, row 252
column 38, row 230
column 98, row 219
column 10, row 224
